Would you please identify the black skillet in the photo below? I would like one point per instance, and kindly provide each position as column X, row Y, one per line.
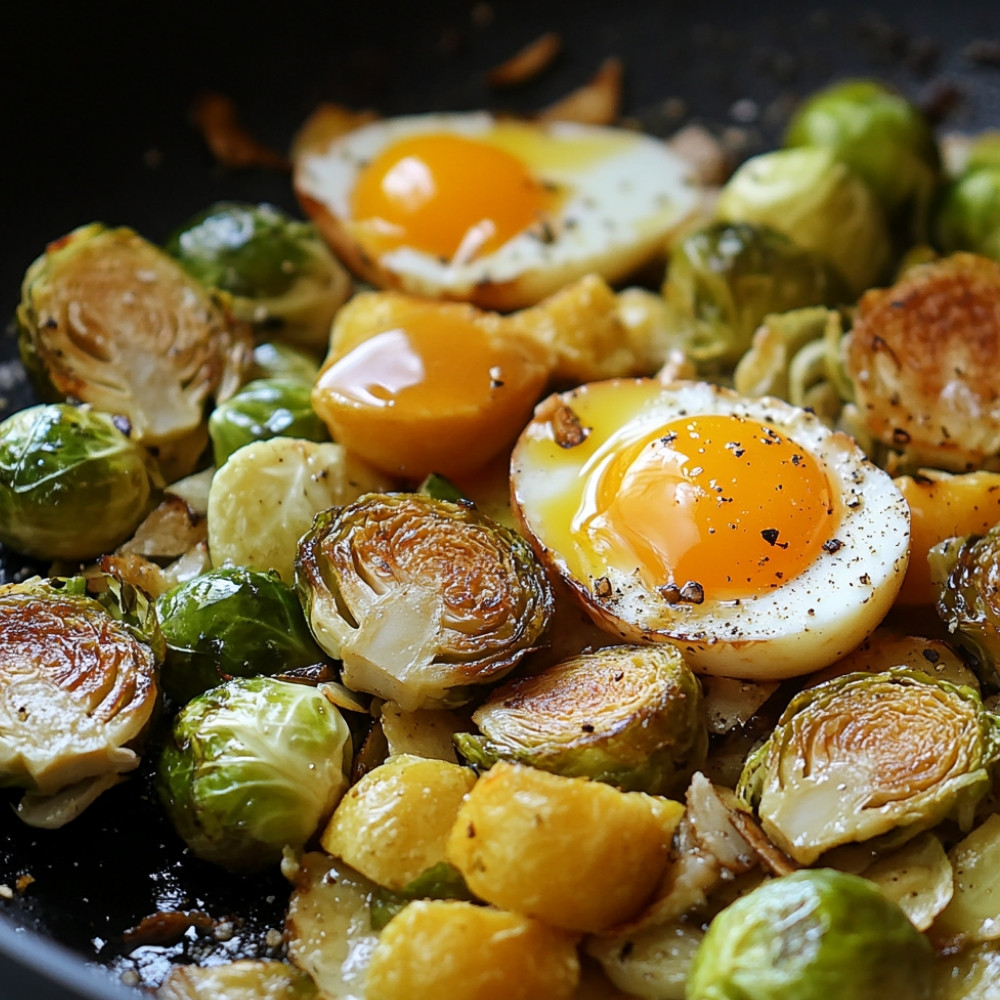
column 95, row 108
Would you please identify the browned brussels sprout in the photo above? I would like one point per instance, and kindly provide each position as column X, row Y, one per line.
column 109, row 319
column 628, row 715
column 871, row 755
column 77, row 689
column 423, row 600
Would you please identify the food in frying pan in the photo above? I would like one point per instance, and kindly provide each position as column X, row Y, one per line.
column 79, row 691
column 545, row 625
column 282, row 277
column 423, row 601
column 496, row 212
column 744, row 531
column 840, row 937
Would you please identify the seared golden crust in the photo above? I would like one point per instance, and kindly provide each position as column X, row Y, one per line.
column 923, row 356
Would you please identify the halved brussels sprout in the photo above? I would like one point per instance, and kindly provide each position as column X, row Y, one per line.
column 820, row 203
column 251, row 767
column 282, row 276
column 232, row 622
column 245, row 979
column 423, row 600
column 881, row 135
column 723, row 279
column 867, row 755
column 818, row 934
column 328, row 928
column 968, row 217
column 107, row 318
column 263, row 409
column 965, row 572
column 72, row 485
column 77, row 690
column 628, row 715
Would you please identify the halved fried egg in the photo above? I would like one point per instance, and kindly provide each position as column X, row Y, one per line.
column 744, row 530
column 497, row 212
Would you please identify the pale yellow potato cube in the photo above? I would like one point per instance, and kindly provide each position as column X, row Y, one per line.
column 394, row 823
column 436, row 949
column 576, row 853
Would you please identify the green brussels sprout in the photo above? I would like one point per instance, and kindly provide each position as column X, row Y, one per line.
column 968, row 217
column 966, row 574
column 281, row 275
column 983, row 151
column 273, row 359
column 820, row 203
column 883, row 137
column 628, row 715
column 816, row 934
column 866, row 755
column 109, row 319
column 263, row 409
column 231, row 622
column 78, row 678
column 422, row 599
column 72, row 485
column 723, row 279
column 251, row 767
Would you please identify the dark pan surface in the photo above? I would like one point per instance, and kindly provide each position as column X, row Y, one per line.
column 96, row 103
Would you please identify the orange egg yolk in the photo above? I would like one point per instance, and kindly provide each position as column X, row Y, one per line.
column 716, row 506
column 448, row 195
column 434, row 359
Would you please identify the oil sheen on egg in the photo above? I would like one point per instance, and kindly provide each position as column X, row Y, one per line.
column 498, row 213
column 744, row 530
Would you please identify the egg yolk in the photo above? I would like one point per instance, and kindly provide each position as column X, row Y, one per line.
column 710, row 507
column 430, row 387
column 431, row 359
column 448, row 195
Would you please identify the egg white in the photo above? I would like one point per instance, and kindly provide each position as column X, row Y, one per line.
column 626, row 194
column 794, row 629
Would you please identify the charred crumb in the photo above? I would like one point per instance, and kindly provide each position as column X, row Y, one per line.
column 567, row 428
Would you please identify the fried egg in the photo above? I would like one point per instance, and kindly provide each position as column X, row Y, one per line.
column 496, row 212
column 744, row 530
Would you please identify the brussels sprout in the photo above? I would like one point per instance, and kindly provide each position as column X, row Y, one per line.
column 281, row 275
column 968, row 217
column 628, row 715
column 263, row 409
column 253, row 766
column 883, row 137
column 819, row 934
column 77, row 690
column 273, row 359
column 246, row 979
column 231, row 622
column 966, row 571
column 423, row 600
column 871, row 755
column 723, row 279
column 107, row 318
column 820, row 203
column 72, row 485
column 282, row 483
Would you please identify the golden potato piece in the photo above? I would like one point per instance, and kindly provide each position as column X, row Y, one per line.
column 394, row 823
column 922, row 355
column 576, row 853
column 436, row 949
column 943, row 506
